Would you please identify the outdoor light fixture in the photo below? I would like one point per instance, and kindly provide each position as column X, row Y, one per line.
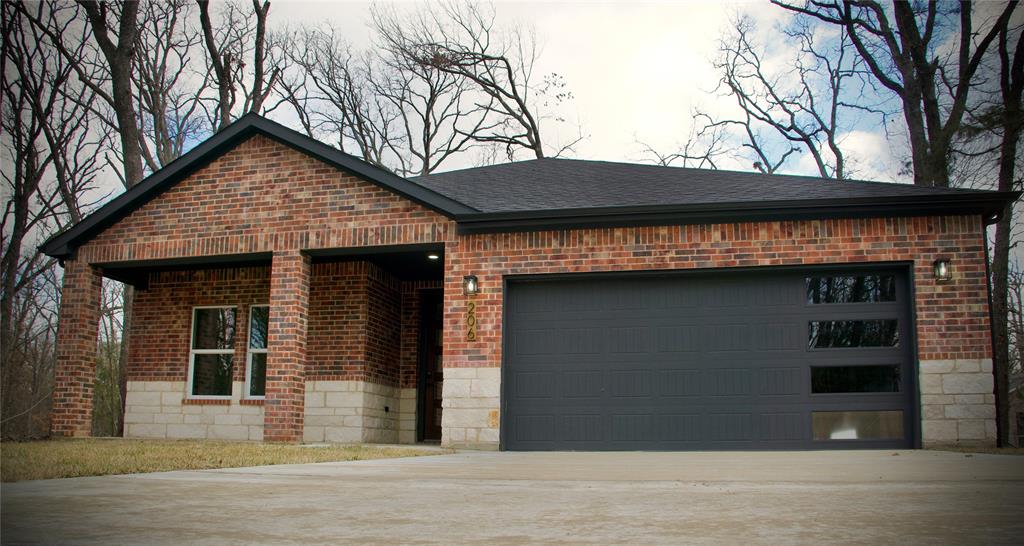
column 433, row 257
column 470, row 286
column 943, row 270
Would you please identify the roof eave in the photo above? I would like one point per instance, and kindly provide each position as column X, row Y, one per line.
column 988, row 204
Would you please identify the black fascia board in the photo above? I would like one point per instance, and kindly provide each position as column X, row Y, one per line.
column 990, row 204
column 63, row 244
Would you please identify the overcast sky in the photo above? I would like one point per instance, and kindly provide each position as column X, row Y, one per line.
column 636, row 70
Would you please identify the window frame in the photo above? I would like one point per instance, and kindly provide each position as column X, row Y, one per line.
column 192, row 352
column 250, row 350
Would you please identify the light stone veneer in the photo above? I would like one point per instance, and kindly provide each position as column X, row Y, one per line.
column 957, row 402
column 407, row 416
column 154, row 409
column 352, row 412
column 471, row 402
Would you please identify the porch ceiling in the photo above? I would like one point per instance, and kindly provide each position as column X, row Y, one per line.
column 406, row 262
column 136, row 273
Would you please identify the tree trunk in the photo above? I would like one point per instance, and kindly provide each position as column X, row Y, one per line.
column 127, row 124
column 1000, row 330
column 1012, row 122
column 122, row 359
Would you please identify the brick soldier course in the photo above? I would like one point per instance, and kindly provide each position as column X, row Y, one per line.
column 247, row 222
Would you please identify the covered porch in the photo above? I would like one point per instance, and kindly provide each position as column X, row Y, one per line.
column 325, row 345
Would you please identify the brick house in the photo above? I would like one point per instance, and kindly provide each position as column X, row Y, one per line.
column 286, row 291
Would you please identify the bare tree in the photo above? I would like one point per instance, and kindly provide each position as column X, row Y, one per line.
column 330, row 87
column 120, row 57
column 707, row 144
column 106, row 415
column 169, row 93
column 1015, row 305
column 988, row 145
column 803, row 107
column 805, row 104
column 902, row 48
column 50, row 165
column 1011, row 125
column 461, row 39
column 437, row 117
column 114, row 86
column 239, row 36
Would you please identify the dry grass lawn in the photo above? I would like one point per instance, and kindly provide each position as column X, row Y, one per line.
column 69, row 458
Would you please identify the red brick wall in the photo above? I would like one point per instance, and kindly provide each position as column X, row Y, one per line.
column 383, row 327
column 337, row 326
column 263, row 197
column 355, row 321
column 952, row 319
column 162, row 327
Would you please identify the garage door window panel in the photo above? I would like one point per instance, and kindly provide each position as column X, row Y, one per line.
column 838, row 334
column 851, row 289
column 857, row 425
column 855, row 379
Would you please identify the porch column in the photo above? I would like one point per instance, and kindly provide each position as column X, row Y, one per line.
column 77, row 334
column 284, row 407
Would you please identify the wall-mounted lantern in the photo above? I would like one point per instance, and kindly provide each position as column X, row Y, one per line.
column 470, row 286
column 943, row 270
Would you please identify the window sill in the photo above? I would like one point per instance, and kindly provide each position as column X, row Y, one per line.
column 251, row 401
column 206, row 401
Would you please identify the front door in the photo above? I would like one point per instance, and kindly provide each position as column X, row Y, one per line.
column 430, row 365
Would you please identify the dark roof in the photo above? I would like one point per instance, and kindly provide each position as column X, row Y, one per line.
column 544, row 184
column 561, row 193
column 63, row 244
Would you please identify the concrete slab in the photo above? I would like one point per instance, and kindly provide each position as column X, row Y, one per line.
column 790, row 497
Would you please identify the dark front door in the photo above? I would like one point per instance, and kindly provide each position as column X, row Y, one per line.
column 756, row 360
column 430, row 366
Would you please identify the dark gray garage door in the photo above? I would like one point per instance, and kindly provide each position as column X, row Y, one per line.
column 790, row 360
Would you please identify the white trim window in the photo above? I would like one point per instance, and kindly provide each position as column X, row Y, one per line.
column 256, row 357
column 211, row 355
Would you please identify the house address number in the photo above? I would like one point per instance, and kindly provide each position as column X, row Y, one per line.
column 471, row 321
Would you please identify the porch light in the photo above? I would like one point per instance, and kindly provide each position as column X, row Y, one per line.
column 470, row 286
column 943, row 270
column 433, row 257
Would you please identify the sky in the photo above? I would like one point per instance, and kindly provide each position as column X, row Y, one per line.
column 636, row 70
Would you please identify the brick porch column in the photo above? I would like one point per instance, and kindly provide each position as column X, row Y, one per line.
column 284, row 407
column 77, row 335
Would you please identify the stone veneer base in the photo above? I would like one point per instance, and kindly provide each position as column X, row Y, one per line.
column 958, row 406
column 352, row 412
column 155, row 409
column 471, row 402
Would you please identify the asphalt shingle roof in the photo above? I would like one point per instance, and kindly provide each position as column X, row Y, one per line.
column 553, row 184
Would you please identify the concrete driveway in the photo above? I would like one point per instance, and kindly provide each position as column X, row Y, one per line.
column 793, row 497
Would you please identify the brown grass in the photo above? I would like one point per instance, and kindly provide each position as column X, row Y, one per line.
column 69, row 458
